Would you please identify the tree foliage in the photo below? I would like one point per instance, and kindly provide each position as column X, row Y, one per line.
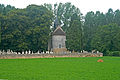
column 102, row 31
column 106, row 38
column 64, row 12
column 74, row 34
column 26, row 29
column 29, row 28
column 70, row 18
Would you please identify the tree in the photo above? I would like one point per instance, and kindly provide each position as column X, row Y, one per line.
column 5, row 9
column 107, row 38
column 92, row 21
column 26, row 29
column 70, row 18
column 88, row 29
column 74, row 34
column 117, row 17
column 109, row 16
column 64, row 12
column 41, row 21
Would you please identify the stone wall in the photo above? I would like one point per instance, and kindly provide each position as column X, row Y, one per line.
column 46, row 55
column 59, row 50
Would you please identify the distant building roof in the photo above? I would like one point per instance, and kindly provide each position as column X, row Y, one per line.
column 59, row 31
column 56, row 22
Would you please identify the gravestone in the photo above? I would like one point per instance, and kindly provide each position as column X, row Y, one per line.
column 29, row 52
column 26, row 52
column 23, row 52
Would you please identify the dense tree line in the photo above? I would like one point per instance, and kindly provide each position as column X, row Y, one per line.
column 102, row 31
column 25, row 29
column 29, row 28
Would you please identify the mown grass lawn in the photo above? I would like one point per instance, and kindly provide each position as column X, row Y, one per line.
column 86, row 68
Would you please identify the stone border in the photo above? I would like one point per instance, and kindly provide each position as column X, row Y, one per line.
column 17, row 56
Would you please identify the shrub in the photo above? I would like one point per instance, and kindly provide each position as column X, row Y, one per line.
column 113, row 53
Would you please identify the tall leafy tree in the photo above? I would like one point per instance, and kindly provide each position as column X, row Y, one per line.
column 5, row 9
column 70, row 18
column 74, row 34
column 106, row 38
column 110, row 16
column 25, row 29
column 88, row 29
column 92, row 21
column 64, row 12
column 117, row 17
column 41, row 21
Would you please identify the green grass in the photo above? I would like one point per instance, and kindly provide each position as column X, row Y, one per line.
column 86, row 68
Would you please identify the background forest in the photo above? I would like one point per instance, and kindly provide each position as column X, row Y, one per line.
column 30, row 28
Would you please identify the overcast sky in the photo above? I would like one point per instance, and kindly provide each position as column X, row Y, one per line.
column 84, row 5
